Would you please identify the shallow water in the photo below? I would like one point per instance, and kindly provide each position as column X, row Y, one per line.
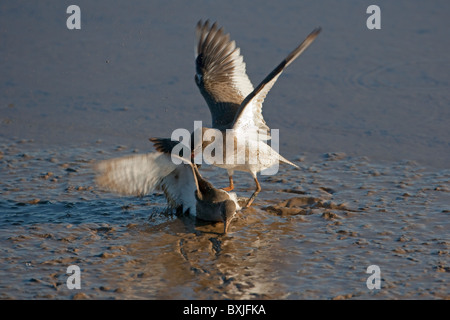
column 363, row 113
column 311, row 233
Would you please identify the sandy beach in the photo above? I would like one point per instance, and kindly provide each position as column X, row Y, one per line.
column 363, row 113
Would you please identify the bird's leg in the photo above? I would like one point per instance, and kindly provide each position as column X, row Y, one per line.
column 258, row 189
column 231, row 187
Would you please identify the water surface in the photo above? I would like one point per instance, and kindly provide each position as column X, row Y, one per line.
column 363, row 113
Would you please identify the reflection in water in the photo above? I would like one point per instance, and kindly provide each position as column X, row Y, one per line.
column 179, row 260
column 311, row 234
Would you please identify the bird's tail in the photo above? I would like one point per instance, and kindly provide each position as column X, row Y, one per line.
column 282, row 159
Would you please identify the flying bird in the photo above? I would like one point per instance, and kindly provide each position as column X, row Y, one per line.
column 235, row 105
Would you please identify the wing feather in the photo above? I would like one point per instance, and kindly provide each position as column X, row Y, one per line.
column 179, row 188
column 249, row 116
column 134, row 175
column 220, row 73
column 145, row 173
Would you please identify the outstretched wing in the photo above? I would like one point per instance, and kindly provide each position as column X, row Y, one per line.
column 220, row 73
column 249, row 115
column 145, row 173
column 134, row 175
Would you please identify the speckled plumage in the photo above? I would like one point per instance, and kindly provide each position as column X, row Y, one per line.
column 182, row 184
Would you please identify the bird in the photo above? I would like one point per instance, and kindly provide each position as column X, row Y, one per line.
column 183, row 186
column 235, row 105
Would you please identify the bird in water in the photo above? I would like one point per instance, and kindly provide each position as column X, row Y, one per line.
column 183, row 186
column 235, row 107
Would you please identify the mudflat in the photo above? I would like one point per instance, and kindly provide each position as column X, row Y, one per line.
column 363, row 113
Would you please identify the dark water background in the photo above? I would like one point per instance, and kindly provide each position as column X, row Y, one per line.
column 363, row 113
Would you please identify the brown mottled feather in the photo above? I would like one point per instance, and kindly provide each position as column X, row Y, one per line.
column 220, row 74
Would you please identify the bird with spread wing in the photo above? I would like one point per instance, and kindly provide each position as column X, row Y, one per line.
column 235, row 105
column 182, row 184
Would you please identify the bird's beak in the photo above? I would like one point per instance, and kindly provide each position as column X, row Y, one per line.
column 228, row 214
column 226, row 223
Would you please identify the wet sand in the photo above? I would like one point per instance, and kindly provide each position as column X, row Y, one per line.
column 363, row 113
column 311, row 233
